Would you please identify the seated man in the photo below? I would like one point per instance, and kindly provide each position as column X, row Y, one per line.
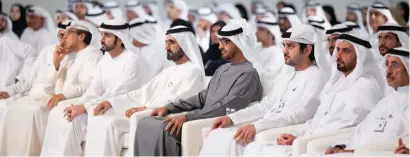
column 180, row 81
column 389, row 120
column 62, row 74
column 117, row 73
column 390, row 36
column 269, row 51
column 351, row 93
column 332, row 35
column 233, row 87
column 15, row 59
column 293, row 101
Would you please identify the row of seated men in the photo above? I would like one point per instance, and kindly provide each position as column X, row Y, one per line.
column 94, row 96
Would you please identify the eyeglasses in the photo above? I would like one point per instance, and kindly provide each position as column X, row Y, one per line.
column 224, row 41
column 393, row 66
column 69, row 31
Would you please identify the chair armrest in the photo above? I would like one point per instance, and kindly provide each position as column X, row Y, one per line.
column 191, row 139
column 272, row 134
column 133, row 129
column 385, row 146
column 301, row 144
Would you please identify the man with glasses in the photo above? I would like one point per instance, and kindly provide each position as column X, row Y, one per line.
column 390, row 36
column 118, row 72
column 389, row 120
column 233, row 86
column 63, row 74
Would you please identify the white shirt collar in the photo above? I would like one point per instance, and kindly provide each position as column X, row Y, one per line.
column 403, row 89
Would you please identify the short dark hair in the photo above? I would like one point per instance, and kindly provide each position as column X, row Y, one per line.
column 87, row 38
column 312, row 54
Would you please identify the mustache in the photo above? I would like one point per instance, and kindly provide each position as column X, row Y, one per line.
column 383, row 46
column 389, row 75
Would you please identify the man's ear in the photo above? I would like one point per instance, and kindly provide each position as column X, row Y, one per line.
column 82, row 36
column 308, row 49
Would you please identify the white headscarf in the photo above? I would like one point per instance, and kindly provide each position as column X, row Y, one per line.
column 271, row 24
column 48, row 23
column 96, row 15
column 205, row 13
column 380, row 7
column 354, row 7
column 153, row 6
column 396, row 29
column 307, row 34
column 365, row 65
column 9, row 27
column 87, row 4
column 63, row 25
column 186, row 40
column 136, row 7
column 356, row 28
column 318, row 22
column 319, row 12
column 120, row 29
column 392, row 28
column 115, row 9
column 243, row 38
column 403, row 54
column 70, row 15
column 89, row 27
column 183, row 7
column 230, row 9
column 339, row 29
column 143, row 30
column 290, row 14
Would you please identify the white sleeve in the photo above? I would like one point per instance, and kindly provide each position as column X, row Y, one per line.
column 189, row 87
column 26, row 53
column 131, row 79
column 94, row 91
column 26, row 79
column 256, row 110
column 85, row 76
column 299, row 113
column 136, row 97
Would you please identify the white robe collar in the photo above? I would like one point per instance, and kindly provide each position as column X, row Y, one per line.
column 403, row 89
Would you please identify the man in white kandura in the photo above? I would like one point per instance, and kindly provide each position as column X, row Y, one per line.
column 353, row 90
column 206, row 19
column 113, row 10
column 332, row 35
column 118, row 72
column 105, row 133
column 389, row 120
column 15, row 58
column 268, row 52
column 63, row 74
column 148, row 45
column 390, row 36
column 287, row 18
column 6, row 27
column 293, row 101
column 40, row 28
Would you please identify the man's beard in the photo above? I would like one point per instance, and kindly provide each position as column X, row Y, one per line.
column 383, row 52
column 343, row 67
column 175, row 56
column 2, row 29
column 331, row 50
column 109, row 48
